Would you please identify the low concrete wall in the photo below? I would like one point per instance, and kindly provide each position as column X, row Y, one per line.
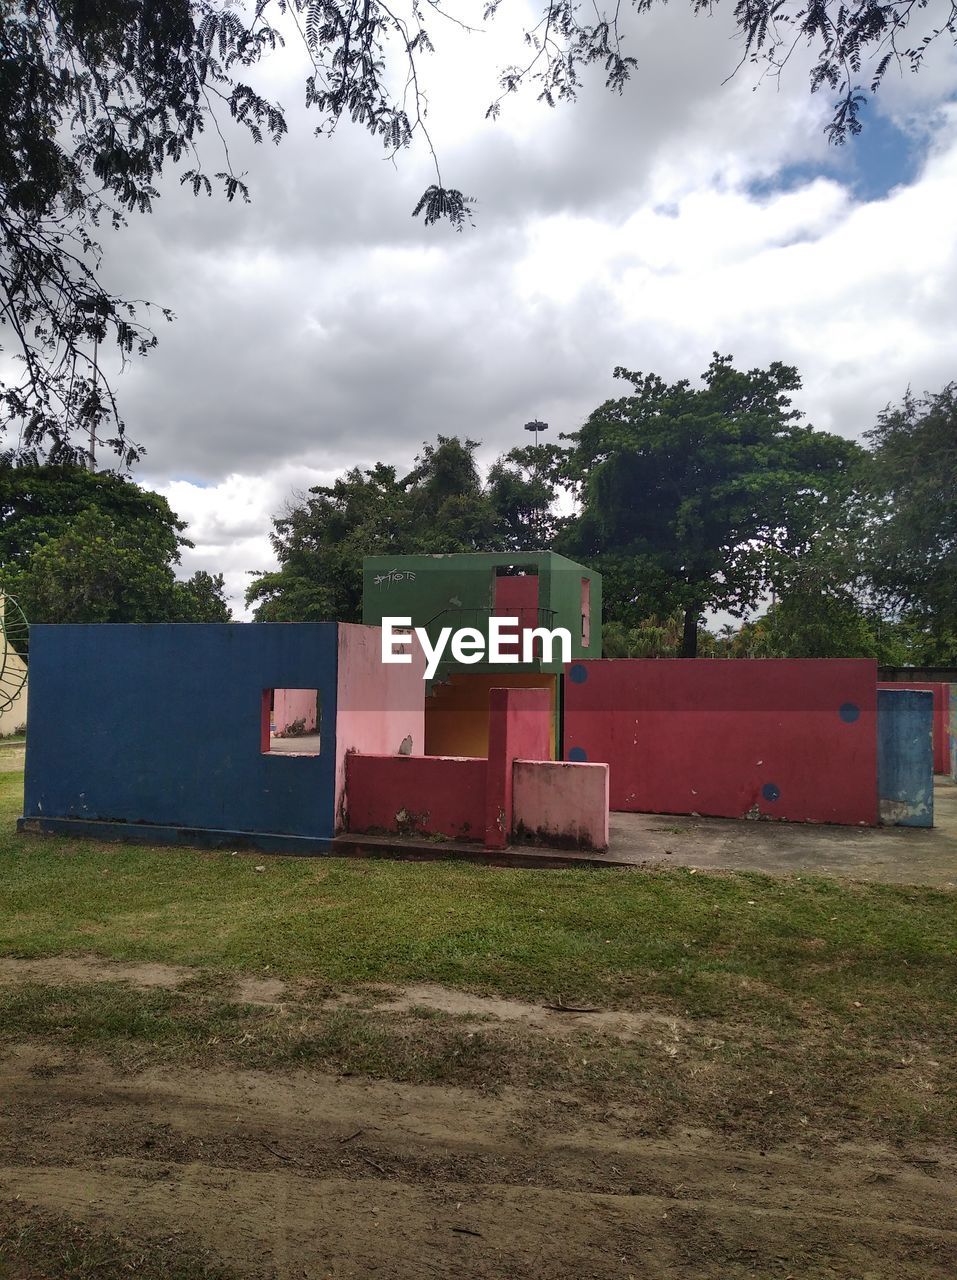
column 556, row 802
column 941, row 694
column 417, row 795
column 905, row 757
column 458, row 796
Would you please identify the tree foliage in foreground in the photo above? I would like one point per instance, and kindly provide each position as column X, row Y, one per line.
column 99, row 100
column 76, row 546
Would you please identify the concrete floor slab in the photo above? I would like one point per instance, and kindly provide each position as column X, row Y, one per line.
column 894, row 855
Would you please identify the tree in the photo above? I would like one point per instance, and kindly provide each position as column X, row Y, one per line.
column 98, row 571
column 522, row 488
column 913, row 537
column 654, row 637
column 691, row 496
column 82, row 547
column 201, row 598
column 99, row 100
column 440, row 505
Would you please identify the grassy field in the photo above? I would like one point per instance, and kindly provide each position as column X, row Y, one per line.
column 835, row 979
column 695, row 944
column 701, row 944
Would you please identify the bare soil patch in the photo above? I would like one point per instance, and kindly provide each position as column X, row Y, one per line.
column 304, row 1174
column 310, row 1172
column 58, row 969
column 556, row 1019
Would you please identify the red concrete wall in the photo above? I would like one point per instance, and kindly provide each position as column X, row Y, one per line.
column 427, row 795
column 778, row 738
column 556, row 802
column 519, row 728
column 457, row 796
column 941, row 694
column 516, row 596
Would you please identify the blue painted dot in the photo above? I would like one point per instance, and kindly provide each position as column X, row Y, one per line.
column 578, row 674
column 770, row 791
column 849, row 712
column 578, row 753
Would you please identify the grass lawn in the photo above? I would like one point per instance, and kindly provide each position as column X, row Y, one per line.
column 834, row 990
column 695, row 944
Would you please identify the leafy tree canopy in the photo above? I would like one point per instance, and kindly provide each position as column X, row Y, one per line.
column 440, row 505
column 655, row 637
column 879, row 578
column 76, row 546
column 99, row 99
column 913, row 538
column 690, row 496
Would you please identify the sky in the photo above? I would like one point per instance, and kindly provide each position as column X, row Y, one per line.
column 320, row 327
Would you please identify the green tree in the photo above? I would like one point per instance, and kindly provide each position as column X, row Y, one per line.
column 691, row 496
column 913, row 538
column 439, row 505
column 320, row 541
column 98, row 100
column 99, row 571
column 522, row 486
column 76, row 546
column 201, row 598
column 654, row 637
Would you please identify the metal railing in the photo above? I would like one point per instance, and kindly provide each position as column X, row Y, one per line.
column 478, row 617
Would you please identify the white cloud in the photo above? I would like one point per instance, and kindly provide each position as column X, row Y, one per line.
column 321, row 327
column 229, row 522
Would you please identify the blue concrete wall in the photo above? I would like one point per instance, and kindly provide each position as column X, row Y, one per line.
column 160, row 726
column 905, row 757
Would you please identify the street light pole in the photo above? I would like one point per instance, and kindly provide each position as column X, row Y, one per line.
column 536, row 426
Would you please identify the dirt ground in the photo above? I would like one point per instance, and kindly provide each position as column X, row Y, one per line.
column 306, row 1174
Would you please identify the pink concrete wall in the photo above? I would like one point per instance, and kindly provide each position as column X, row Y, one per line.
column 290, row 705
column 941, row 694
column 378, row 705
column 778, row 738
column 557, row 802
column 417, row 795
column 519, row 728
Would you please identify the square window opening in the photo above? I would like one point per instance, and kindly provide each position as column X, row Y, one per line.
column 290, row 722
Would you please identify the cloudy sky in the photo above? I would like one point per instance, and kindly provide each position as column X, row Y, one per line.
column 321, row 327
